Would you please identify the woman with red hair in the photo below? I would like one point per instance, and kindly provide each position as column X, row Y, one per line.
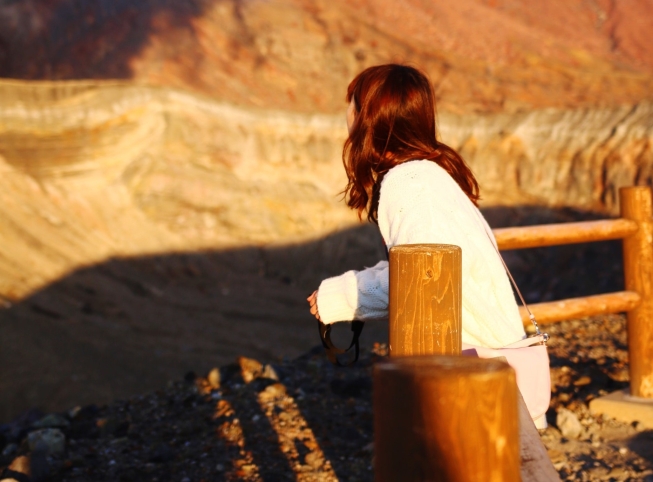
column 417, row 190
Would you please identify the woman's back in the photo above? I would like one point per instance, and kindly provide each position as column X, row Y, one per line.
column 421, row 203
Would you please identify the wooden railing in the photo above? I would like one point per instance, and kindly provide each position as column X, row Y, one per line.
column 425, row 318
column 635, row 227
column 572, row 233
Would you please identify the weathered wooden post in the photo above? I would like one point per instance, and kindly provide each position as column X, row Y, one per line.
column 425, row 300
column 636, row 205
column 445, row 418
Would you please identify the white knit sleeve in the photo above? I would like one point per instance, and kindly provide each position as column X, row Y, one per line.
column 355, row 295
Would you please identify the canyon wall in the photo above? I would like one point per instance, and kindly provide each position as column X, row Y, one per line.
column 94, row 169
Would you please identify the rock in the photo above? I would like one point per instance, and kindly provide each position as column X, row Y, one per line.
column 249, row 368
column 9, row 449
column 617, row 473
column 582, row 381
column 73, row 412
column 214, row 378
column 21, row 465
column 568, row 423
column 270, row 373
column 272, row 392
column 53, row 420
column 314, row 459
column 50, row 440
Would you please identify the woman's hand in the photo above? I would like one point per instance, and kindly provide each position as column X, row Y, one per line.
column 312, row 301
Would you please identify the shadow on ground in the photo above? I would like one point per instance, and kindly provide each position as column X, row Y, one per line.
column 127, row 326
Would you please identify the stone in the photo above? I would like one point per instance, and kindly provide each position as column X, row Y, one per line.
column 214, row 378
column 52, row 441
column 314, row 459
column 21, row 465
column 249, row 368
column 273, row 392
column 270, row 373
column 568, row 424
column 621, row 406
column 52, row 420
column 582, row 381
column 9, row 449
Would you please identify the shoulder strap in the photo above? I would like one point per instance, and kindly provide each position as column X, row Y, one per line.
column 331, row 350
column 531, row 316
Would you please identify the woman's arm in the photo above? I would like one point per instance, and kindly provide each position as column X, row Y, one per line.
column 354, row 295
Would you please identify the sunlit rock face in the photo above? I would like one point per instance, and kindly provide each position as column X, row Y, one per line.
column 226, row 126
column 94, row 170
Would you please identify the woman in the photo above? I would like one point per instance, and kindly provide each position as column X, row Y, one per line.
column 417, row 190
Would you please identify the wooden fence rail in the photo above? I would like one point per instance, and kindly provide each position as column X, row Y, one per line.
column 635, row 227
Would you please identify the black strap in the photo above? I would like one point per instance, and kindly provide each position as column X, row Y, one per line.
column 332, row 351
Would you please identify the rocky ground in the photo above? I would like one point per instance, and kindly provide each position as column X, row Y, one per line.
column 305, row 419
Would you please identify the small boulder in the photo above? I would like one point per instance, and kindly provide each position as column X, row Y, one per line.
column 314, row 459
column 53, row 420
column 249, row 368
column 214, row 378
column 9, row 449
column 273, row 392
column 21, row 465
column 49, row 440
column 568, row 424
column 270, row 373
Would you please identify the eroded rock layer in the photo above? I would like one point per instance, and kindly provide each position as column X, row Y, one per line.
column 96, row 169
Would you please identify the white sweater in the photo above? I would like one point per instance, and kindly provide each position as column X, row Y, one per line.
column 421, row 203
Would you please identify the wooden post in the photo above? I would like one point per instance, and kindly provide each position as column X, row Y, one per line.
column 445, row 418
column 437, row 418
column 425, row 301
column 636, row 205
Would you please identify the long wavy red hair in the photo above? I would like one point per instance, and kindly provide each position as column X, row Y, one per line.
column 395, row 122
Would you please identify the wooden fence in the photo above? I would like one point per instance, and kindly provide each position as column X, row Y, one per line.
column 425, row 315
column 635, row 227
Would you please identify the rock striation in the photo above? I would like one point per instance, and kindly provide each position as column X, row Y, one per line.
column 226, row 125
column 93, row 169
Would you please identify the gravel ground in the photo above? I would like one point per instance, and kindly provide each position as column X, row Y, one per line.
column 305, row 419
